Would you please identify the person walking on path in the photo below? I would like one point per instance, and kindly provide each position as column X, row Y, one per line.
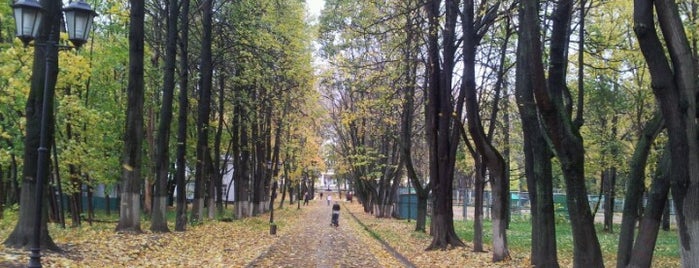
column 306, row 197
column 330, row 198
column 335, row 220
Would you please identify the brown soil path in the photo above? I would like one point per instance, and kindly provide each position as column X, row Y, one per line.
column 315, row 243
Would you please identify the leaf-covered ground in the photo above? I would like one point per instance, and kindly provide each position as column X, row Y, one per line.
column 401, row 237
column 211, row 244
column 304, row 239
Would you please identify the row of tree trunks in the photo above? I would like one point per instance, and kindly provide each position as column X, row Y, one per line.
column 8, row 179
column 675, row 87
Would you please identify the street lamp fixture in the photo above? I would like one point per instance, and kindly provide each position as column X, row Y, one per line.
column 79, row 16
column 29, row 16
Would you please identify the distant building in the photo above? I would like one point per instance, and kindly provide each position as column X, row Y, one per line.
column 227, row 184
column 328, row 180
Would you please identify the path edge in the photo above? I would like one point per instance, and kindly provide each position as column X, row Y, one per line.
column 402, row 259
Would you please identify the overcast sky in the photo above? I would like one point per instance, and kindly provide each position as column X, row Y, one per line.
column 314, row 7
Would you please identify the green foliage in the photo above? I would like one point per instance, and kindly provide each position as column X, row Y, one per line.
column 15, row 74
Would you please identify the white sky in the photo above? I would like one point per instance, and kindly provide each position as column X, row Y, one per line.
column 314, row 7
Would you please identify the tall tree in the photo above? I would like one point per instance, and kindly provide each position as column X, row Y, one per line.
column 162, row 153
column 674, row 84
column 131, row 180
column 409, row 114
column 442, row 115
column 490, row 155
column 537, row 163
column 22, row 234
column 554, row 104
column 183, row 101
column 635, row 188
column 642, row 252
column 203, row 112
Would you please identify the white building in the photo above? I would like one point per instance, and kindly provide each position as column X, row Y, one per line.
column 227, row 184
column 328, row 180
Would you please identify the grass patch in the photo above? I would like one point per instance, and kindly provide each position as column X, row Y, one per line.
column 519, row 240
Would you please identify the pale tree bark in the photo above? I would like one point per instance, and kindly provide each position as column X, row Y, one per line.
column 131, row 180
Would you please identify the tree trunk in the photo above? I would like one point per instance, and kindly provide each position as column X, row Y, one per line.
column 59, row 189
column 674, row 85
column 257, row 179
column 562, row 130
column 181, row 217
column 243, row 172
column 149, row 182
column 204, row 108
column 107, row 204
column 608, row 181
column 442, row 131
column 76, row 193
column 213, row 185
column 131, row 180
column 492, row 159
column 407, row 118
column 665, row 225
column 642, row 253
column 90, row 204
column 635, row 187
column 220, row 165
column 478, row 186
column 23, row 233
column 537, row 166
column 162, row 157
column 74, row 177
column 14, row 181
column 3, row 191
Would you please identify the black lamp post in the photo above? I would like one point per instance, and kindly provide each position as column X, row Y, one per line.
column 29, row 16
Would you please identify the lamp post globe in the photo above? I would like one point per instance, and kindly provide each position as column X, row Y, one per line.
column 28, row 16
column 79, row 16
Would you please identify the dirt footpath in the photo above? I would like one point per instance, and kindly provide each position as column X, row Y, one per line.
column 315, row 243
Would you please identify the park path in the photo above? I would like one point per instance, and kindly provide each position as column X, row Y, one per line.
column 313, row 242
